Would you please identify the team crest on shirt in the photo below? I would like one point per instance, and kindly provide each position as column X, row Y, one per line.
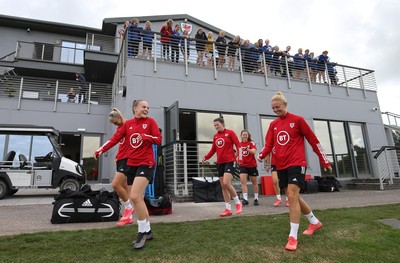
column 220, row 142
column 144, row 126
column 122, row 141
column 135, row 143
column 291, row 124
column 226, row 135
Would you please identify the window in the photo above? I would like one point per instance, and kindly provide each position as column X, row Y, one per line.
column 72, row 52
column 43, row 51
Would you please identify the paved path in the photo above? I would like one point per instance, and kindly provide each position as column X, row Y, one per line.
column 29, row 211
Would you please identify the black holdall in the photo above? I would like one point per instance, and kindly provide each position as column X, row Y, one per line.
column 207, row 189
column 160, row 206
column 328, row 184
column 85, row 205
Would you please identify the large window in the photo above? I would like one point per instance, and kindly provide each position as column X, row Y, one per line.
column 72, row 52
column 344, row 144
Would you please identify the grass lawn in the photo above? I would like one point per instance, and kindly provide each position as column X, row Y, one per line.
column 349, row 235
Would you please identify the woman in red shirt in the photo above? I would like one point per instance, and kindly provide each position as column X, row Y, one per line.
column 122, row 181
column 141, row 133
column 286, row 135
column 248, row 166
column 223, row 143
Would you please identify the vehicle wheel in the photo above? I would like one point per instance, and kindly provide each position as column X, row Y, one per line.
column 3, row 189
column 12, row 191
column 70, row 184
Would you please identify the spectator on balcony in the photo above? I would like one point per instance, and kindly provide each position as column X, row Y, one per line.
column 82, row 86
column 221, row 48
column 332, row 73
column 71, row 95
column 275, row 61
column 267, row 49
column 246, row 56
column 185, row 45
column 286, row 57
column 248, row 166
column 209, row 49
column 322, row 60
column 122, row 30
column 233, row 45
column 223, row 145
column 166, row 32
column 147, row 41
column 134, row 37
column 298, row 63
column 260, row 47
column 175, row 41
column 201, row 40
column 313, row 67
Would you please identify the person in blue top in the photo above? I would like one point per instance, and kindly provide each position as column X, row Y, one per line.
column 147, row 40
column 322, row 60
column 134, row 38
column 175, row 40
column 298, row 63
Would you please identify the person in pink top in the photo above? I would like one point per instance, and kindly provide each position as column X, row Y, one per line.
column 223, row 143
column 248, row 166
column 141, row 133
column 286, row 134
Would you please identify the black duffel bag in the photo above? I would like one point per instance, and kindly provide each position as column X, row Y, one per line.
column 160, row 206
column 328, row 184
column 207, row 189
column 85, row 205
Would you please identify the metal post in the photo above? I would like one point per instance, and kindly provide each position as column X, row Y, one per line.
column 328, row 80
column 308, row 75
column 362, row 83
column 174, row 161
column 265, row 69
column 345, row 81
column 89, row 95
column 43, row 51
column 186, row 59
column 214, row 61
column 185, row 172
column 287, row 73
column 240, row 64
column 20, row 93
column 155, row 52
column 55, row 97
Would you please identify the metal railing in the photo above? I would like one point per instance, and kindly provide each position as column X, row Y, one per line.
column 40, row 89
column 182, row 162
column 244, row 60
column 391, row 119
column 388, row 164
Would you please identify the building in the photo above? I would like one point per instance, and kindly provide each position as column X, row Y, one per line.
column 39, row 59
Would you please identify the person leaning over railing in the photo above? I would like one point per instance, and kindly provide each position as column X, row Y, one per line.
column 232, row 48
column 201, row 39
column 185, row 36
column 166, row 32
column 147, row 34
column 221, row 48
column 175, row 41
column 209, row 49
column 134, row 37
column 322, row 59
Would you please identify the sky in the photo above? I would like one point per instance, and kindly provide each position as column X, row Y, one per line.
column 358, row 33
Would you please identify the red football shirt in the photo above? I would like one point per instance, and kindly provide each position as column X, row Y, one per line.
column 137, row 152
column 286, row 134
column 223, row 145
column 246, row 159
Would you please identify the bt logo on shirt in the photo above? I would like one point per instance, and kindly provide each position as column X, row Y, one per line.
column 220, row 142
column 245, row 151
column 135, row 143
column 283, row 137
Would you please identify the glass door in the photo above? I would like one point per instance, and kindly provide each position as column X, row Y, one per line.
column 90, row 143
column 359, row 151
